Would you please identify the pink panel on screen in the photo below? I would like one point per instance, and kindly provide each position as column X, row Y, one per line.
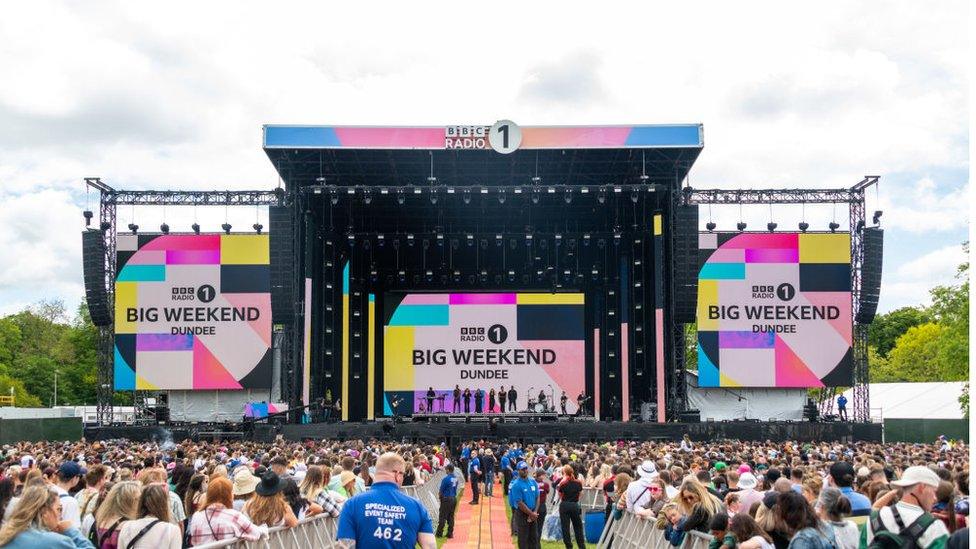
column 193, row 257
column 728, row 255
column 391, row 138
column 208, row 372
column 790, row 370
column 842, row 324
column 483, row 299
column 596, row 373
column 624, row 373
column 763, row 240
column 541, row 138
column 143, row 257
column 262, row 302
column 772, row 255
column 184, row 242
column 659, row 361
column 572, row 380
column 426, row 299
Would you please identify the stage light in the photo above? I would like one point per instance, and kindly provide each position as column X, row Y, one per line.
column 484, row 243
column 433, row 196
column 164, row 228
column 334, row 197
column 601, row 243
column 88, row 215
column 741, row 226
column 134, row 228
column 860, row 225
column 402, row 276
column 466, row 197
column 400, row 197
column 105, row 225
column 440, row 240
column 804, row 226
column 367, row 197
column 257, row 227
column 410, row 240
column 771, row 226
column 501, row 196
column 601, row 196
column 226, row 227
column 877, row 217
column 457, row 276
column 498, row 279
column 381, row 240
column 568, row 196
column 586, row 239
column 469, row 239
column 498, row 240
column 633, row 197
column 833, row 226
column 535, row 196
column 196, row 228
column 430, row 275
column 511, row 275
column 710, row 226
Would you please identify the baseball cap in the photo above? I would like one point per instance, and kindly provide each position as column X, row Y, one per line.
column 842, row 472
column 918, row 474
column 70, row 469
column 720, row 466
column 522, row 465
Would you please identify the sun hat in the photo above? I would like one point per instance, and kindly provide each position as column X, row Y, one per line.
column 269, row 485
column 747, row 481
column 647, row 469
column 744, row 468
column 346, row 477
column 244, row 482
column 918, row 474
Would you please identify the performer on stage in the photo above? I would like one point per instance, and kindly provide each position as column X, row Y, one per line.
column 491, row 400
column 430, row 399
column 479, row 397
column 512, row 397
column 467, row 400
column 580, row 399
column 562, row 402
column 501, row 399
column 542, row 400
column 457, row 399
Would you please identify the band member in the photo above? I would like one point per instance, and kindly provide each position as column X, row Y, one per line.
column 512, row 397
column 420, row 407
column 479, row 398
column 542, row 400
column 501, row 399
column 467, row 400
column 430, row 399
column 491, row 400
column 562, row 402
column 457, row 399
column 580, row 400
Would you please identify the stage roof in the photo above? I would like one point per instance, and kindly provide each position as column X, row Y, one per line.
column 571, row 155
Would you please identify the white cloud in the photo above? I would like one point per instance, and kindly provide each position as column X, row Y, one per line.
column 791, row 95
column 938, row 266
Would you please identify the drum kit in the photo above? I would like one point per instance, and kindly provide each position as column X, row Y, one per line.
column 543, row 407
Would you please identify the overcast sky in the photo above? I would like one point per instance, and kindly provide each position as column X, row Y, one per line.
column 174, row 98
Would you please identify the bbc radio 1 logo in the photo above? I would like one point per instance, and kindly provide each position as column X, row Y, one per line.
column 783, row 292
column 203, row 294
column 496, row 333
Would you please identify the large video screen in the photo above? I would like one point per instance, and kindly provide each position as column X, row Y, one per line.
column 193, row 312
column 774, row 310
column 534, row 341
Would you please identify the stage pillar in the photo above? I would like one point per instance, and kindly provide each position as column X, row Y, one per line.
column 370, row 356
column 307, row 344
column 624, row 340
column 345, row 342
column 659, row 315
column 596, row 373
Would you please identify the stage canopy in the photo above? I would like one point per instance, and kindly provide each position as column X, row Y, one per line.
column 556, row 155
column 936, row 400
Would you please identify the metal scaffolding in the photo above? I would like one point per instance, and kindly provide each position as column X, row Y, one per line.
column 854, row 198
column 109, row 200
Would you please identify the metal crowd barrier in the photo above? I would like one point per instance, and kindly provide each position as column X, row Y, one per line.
column 320, row 530
column 592, row 499
column 632, row 531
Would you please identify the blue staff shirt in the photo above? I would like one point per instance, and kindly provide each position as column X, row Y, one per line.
column 505, row 462
column 475, row 462
column 449, row 486
column 383, row 517
column 860, row 504
column 465, row 452
column 523, row 489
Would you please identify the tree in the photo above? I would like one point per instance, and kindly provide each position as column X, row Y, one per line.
column 691, row 347
column 917, row 356
column 888, row 327
column 964, row 401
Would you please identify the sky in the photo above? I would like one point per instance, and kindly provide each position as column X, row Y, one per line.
column 173, row 96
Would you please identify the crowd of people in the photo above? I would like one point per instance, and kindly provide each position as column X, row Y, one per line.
column 122, row 494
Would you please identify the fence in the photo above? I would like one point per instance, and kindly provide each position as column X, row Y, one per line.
column 631, row 531
column 320, row 531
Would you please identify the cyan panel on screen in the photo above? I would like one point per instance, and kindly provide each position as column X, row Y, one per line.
column 723, row 271
column 421, row 315
column 142, row 273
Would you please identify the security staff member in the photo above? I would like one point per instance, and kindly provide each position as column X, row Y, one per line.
column 448, row 493
column 523, row 497
column 385, row 517
column 474, row 475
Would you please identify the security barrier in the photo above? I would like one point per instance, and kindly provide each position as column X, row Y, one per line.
column 320, row 530
column 632, row 531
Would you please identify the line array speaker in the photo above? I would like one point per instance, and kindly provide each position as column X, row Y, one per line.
column 870, row 274
column 281, row 236
column 686, row 264
column 93, row 266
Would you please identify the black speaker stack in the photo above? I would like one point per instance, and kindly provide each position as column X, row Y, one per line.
column 93, row 266
column 873, row 240
column 686, row 264
column 282, row 264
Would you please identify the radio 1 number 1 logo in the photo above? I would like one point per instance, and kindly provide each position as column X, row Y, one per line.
column 206, row 293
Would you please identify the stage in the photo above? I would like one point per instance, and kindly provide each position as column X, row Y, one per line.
column 527, row 432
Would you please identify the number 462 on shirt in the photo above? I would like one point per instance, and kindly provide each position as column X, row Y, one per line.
column 388, row 533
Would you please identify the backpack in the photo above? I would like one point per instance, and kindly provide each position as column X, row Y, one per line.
column 908, row 536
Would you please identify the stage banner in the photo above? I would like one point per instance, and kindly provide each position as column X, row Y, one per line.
column 192, row 312
column 532, row 341
column 774, row 310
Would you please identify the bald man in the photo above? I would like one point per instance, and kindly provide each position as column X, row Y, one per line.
column 385, row 517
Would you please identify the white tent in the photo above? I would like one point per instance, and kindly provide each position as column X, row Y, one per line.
column 938, row 400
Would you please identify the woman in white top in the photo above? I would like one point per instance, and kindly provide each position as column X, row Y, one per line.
column 833, row 506
column 746, row 533
column 153, row 529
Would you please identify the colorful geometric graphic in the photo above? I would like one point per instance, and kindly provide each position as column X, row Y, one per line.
column 774, row 310
column 192, row 312
column 482, row 340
